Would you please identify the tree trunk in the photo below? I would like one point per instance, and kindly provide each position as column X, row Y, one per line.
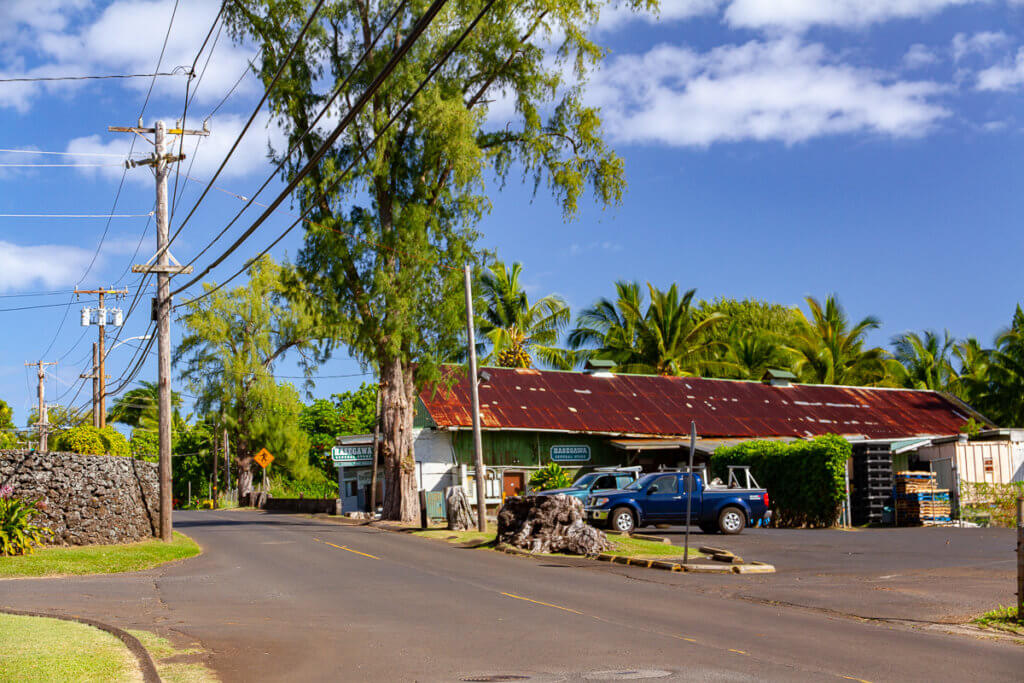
column 244, row 481
column 398, row 394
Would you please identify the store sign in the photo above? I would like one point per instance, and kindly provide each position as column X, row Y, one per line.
column 570, row 453
column 350, row 456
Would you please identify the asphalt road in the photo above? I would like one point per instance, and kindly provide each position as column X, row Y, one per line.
column 931, row 574
column 287, row 598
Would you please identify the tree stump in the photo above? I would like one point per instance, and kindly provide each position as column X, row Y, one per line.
column 548, row 524
column 460, row 516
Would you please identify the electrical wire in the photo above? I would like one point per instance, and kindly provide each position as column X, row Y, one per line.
column 27, row 308
column 2, row 165
column 438, row 64
column 63, row 154
column 30, row 79
column 76, row 215
column 248, row 123
column 273, row 174
column 160, row 59
column 414, row 34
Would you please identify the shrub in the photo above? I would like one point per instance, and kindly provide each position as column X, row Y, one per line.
column 994, row 504
column 18, row 534
column 83, row 439
column 114, row 442
column 550, row 477
column 145, row 445
column 805, row 479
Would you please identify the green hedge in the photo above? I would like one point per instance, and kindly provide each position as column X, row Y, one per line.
column 805, row 479
column 89, row 440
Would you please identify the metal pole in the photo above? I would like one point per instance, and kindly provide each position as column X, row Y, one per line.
column 213, row 479
column 846, row 503
column 1020, row 559
column 227, row 462
column 376, row 448
column 478, row 448
column 163, row 334
column 689, row 491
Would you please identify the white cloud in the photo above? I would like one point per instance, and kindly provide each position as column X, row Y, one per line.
column 577, row 248
column 616, row 16
column 918, row 56
column 762, row 90
column 125, row 38
column 48, row 265
column 249, row 157
column 1006, row 76
column 982, row 43
column 802, row 14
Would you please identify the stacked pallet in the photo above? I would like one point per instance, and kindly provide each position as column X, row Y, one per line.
column 919, row 501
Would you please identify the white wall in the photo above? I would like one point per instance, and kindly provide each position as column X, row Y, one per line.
column 1005, row 459
column 436, row 466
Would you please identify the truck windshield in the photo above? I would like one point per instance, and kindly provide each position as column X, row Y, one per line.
column 639, row 483
column 585, row 481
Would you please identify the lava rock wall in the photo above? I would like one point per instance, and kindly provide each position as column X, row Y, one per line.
column 86, row 499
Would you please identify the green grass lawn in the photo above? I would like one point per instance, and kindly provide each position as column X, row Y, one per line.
column 621, row 545
column 1002, row 619
column 38, row 649
column 98, row 559
column 169, row 660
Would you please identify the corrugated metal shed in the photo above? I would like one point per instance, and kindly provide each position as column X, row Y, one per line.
column 640, row 405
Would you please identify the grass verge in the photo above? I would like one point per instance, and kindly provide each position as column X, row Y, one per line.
column 98, row 559
column 621, row 545
column 1001, row 619
column 40, row 649
column 173, row 663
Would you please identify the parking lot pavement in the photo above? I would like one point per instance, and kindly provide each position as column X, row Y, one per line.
column 920, row 574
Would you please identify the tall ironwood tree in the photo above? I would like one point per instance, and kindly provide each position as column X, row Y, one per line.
column 385, row 242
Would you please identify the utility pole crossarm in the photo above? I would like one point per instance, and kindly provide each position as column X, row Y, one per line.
column 43, row 422
column 163, row 268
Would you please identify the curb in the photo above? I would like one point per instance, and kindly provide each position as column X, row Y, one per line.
column 750, row 568
column 134, row 645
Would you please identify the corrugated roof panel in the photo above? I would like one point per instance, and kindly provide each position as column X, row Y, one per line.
column 664, row 406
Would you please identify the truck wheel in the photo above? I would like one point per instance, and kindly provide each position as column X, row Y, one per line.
column 731, row 520
column 622, row 520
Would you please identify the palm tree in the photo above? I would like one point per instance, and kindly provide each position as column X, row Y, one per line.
column 668, row 338
column 830, row 351
column 972, row 378
column 516, row 330
column 999, row 392
column 750, row 352
column 140, row 404
column 924, row 362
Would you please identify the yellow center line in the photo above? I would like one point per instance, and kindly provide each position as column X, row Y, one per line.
column 739, row 652
column 341, row 547
column 851, row 678
column 546, row 604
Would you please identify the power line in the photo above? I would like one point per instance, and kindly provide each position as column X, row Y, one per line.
column 273, row 174
column 26, row 308
column 75, row 215
column 368, row 93
column 160, row 59
column 178, row 71
column 59, row 165
column 417, row 30
column 252, row 117
column 63, row 154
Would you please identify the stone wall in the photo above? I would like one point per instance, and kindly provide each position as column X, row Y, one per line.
column 87, row 498
column 305, row 505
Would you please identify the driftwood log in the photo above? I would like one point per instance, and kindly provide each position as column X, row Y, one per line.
column 548, row 524
column 460, row 517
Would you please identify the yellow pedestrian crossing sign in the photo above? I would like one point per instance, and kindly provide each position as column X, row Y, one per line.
column 263, row 458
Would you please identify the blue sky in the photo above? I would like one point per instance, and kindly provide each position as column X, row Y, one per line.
column 774, row 149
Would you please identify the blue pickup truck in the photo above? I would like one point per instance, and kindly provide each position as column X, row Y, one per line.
column 660, row 498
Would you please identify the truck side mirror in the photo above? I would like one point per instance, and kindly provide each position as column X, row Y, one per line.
column 652, row 489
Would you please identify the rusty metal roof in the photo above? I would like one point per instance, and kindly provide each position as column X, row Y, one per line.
column 642, row 405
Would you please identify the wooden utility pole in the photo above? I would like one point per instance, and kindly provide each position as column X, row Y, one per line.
column 478, row 447
column 95, row 377
column 100, row 398
column 163, row 269
column 1020, row 559
column 43, row 424
column 227, row 462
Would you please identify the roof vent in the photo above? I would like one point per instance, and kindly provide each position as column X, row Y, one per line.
column 778, row 378
column 598, row 367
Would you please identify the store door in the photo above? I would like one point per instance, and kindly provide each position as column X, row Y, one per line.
column 512, row 484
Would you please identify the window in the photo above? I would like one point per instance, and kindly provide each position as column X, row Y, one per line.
column 605, row 482
column 351, row 488
column 623, row 480
column 666, row 484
